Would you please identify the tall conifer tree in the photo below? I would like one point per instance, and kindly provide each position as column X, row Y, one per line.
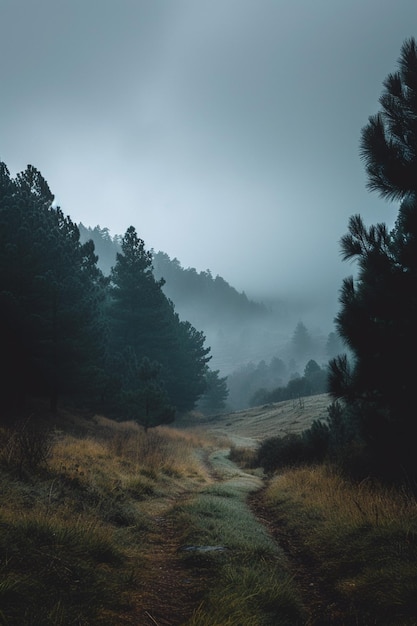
column 51, row 293
column 379, row 309
column 143, row 325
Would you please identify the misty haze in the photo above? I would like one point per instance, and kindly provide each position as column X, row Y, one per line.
column 256, row 345
column 208, row 279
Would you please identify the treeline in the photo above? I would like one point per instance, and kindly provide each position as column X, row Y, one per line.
column 372, row 425
column 314, row 381
column 209, row 299
column 238, row 328
column 294, row 374
column 69, row 333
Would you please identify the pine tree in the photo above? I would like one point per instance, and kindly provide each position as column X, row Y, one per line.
column 379, row 309
column 216, row 393
column 143, row 324
column 50, row 293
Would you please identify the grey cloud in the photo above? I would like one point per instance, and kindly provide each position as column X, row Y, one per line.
column 227, row 132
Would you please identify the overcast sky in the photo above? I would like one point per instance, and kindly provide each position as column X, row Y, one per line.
column 225, row 131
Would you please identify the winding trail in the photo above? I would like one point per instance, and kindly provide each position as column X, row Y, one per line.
column 171, row 590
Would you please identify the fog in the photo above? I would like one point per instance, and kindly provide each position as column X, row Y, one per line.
column 226, row 132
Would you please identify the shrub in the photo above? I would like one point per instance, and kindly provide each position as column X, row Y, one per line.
column 26, row 447
column 278, row 452
column 311, row 446
column 316, row 440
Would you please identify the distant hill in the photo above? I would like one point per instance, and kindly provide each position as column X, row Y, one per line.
column 197, row 296
column 228, row 318
column 106, row 246
column 251, row 343
column 251, row 426
column 204, row 298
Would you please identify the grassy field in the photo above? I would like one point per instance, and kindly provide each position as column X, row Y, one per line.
column 102, row 523
column 352, row 548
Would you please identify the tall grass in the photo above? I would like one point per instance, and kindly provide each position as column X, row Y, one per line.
column 363, row 536
column 74, row 527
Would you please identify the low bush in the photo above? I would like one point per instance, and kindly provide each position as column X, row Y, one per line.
column 310, row 446
column 26, row 446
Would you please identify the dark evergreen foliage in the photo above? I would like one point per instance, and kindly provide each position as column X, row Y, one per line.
column 105, row 245
column 379, row 309
column 147, row 403
column 143, row 324
column 216, row 392
column 68, row 333
column 50, row 297
column 389, row 141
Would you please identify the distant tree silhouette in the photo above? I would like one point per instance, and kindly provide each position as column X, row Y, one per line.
column 378, row 312
column 301, row 343
column 334, row 345
column 216, row 392
column 313, row 382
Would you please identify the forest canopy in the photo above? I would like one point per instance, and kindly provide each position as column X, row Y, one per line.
column 71, row 334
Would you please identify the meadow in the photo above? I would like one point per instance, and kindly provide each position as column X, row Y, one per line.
column 104, row 523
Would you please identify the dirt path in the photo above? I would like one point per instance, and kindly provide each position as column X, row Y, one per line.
column 171, row 590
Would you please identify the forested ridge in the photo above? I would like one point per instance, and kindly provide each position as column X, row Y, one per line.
column 242, row 332
column 197, row 295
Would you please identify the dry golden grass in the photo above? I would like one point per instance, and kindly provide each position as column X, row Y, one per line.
column 85, row 515
column 249, row 427
column 122, row 452
column 339, row 499
column 342, row 502
column 361, row 538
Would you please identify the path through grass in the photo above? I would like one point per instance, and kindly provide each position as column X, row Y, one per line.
column 247, row 573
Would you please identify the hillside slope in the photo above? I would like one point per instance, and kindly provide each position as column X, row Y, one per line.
column 250, row 426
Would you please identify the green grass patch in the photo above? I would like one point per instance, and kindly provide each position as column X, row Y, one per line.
column 249, row 579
